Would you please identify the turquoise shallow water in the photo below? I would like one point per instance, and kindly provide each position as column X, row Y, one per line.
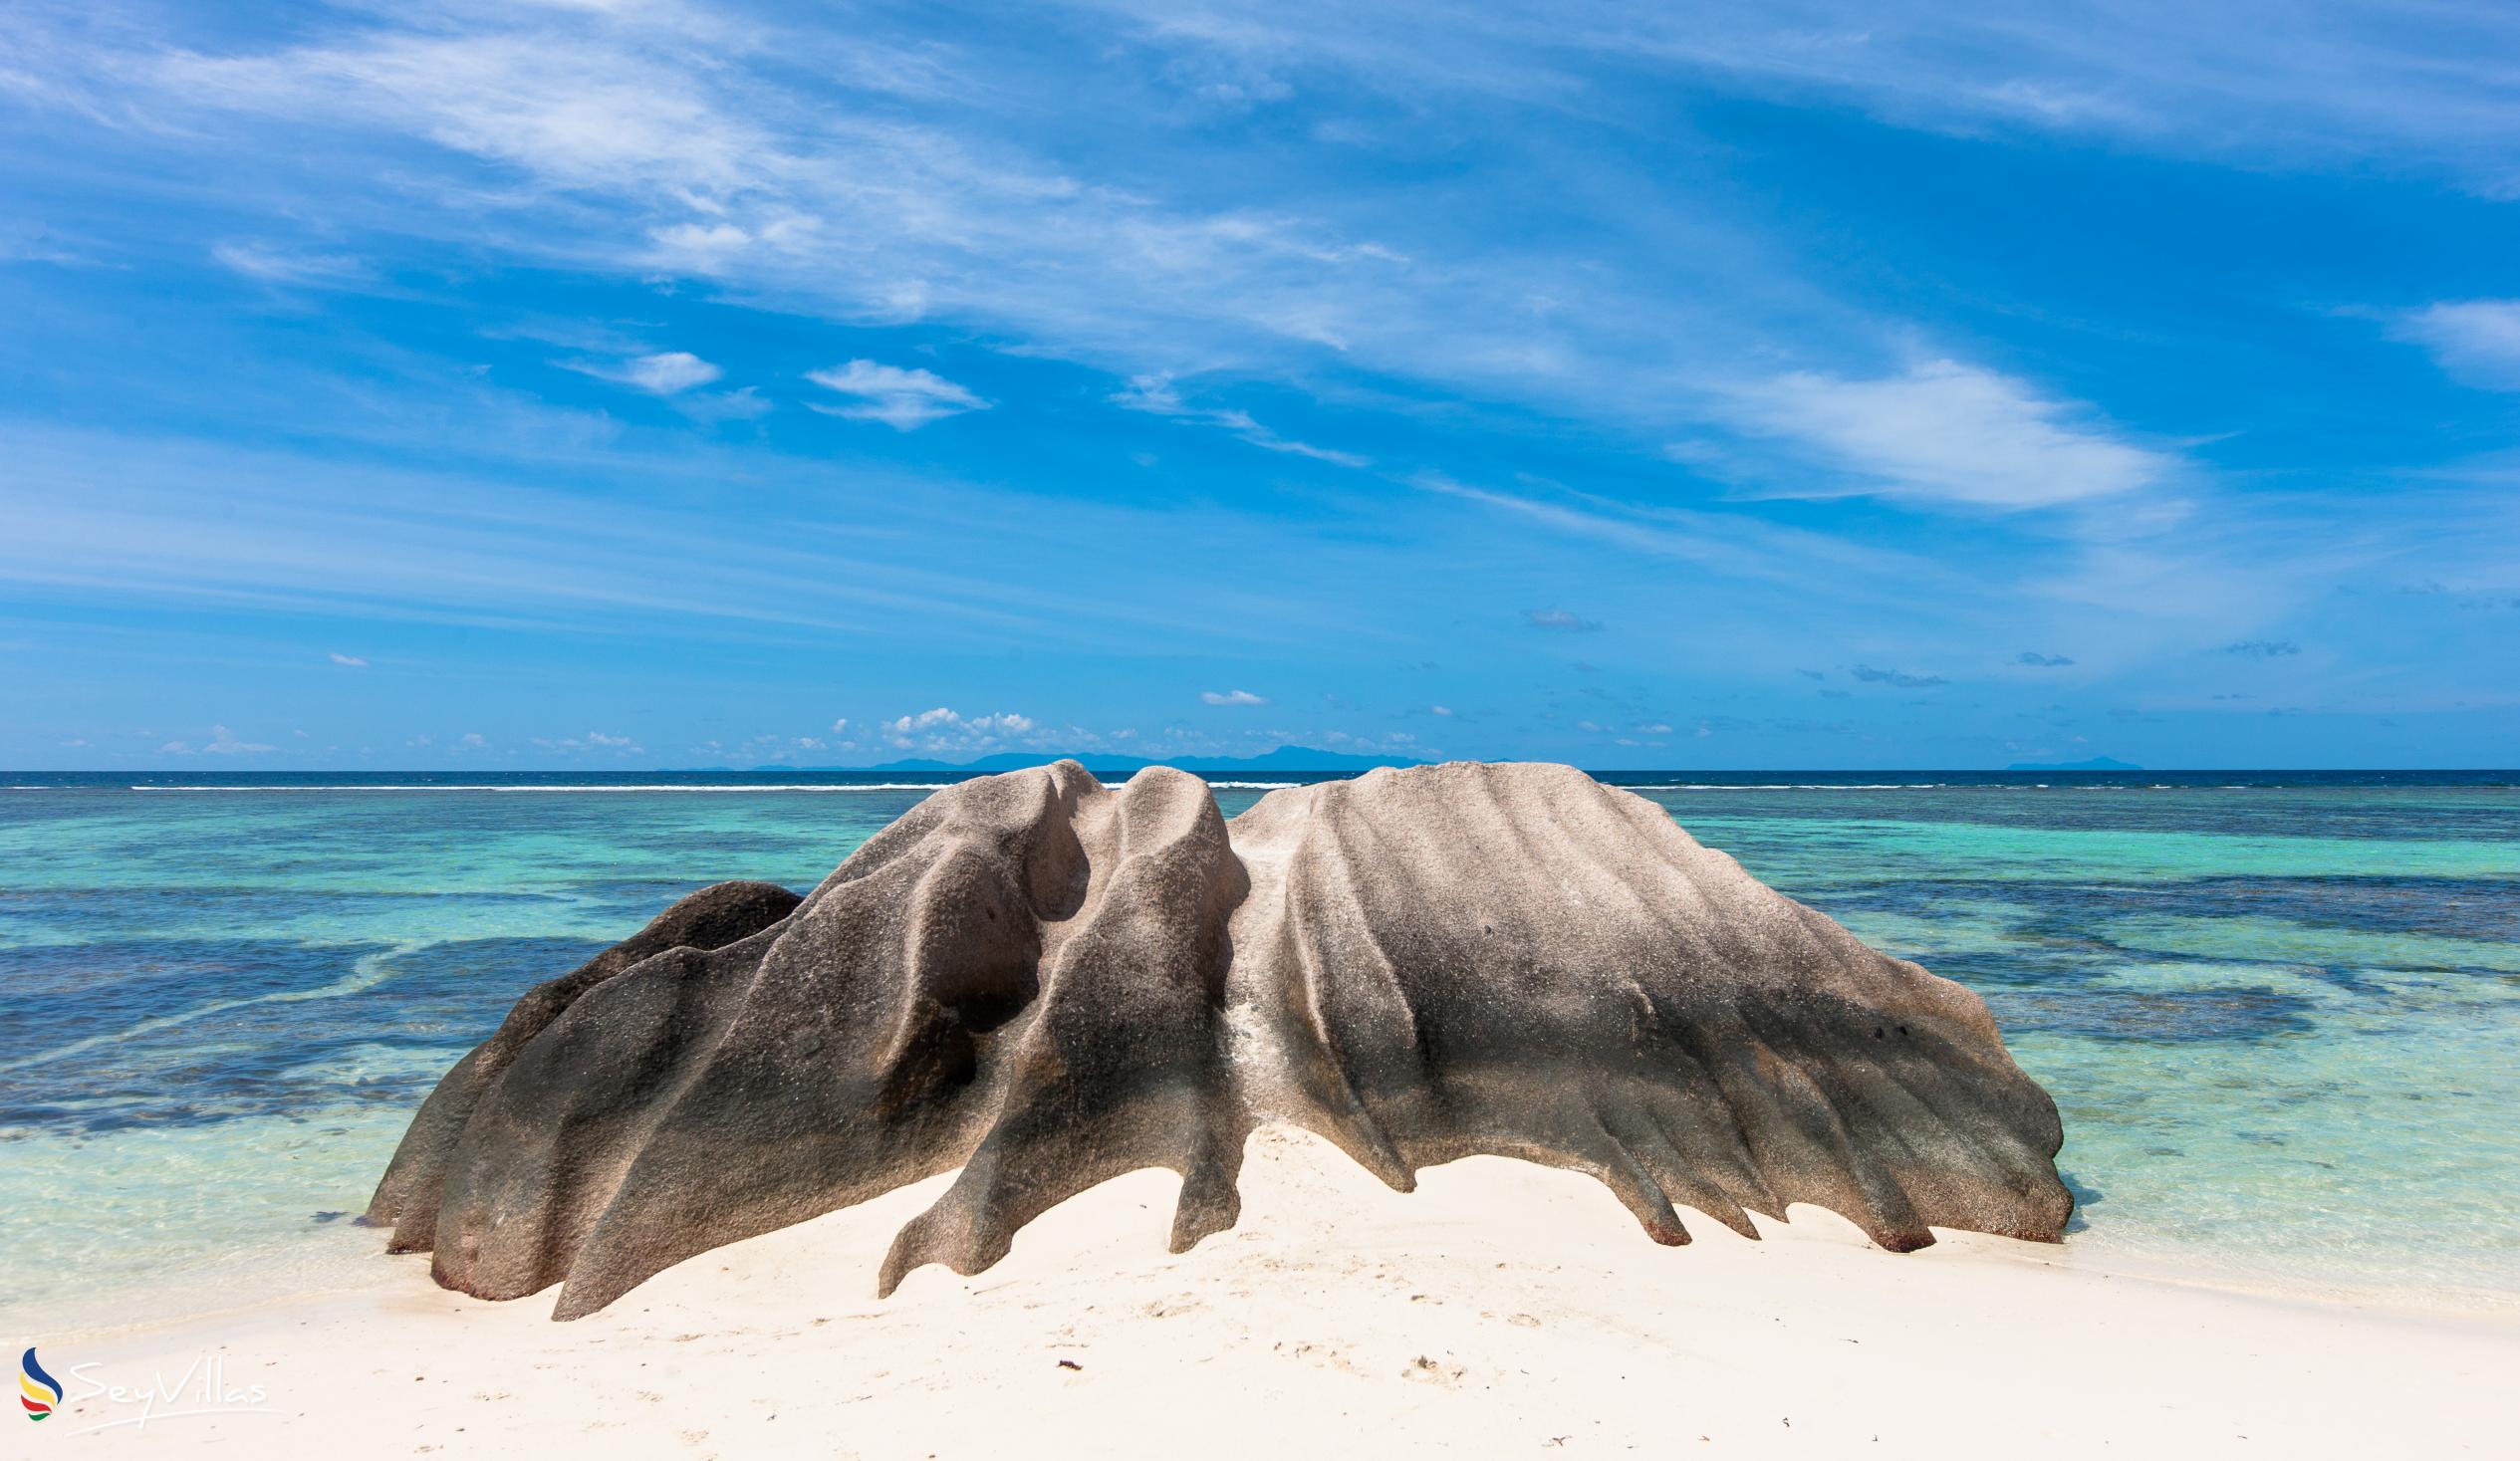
column 2282, row 1022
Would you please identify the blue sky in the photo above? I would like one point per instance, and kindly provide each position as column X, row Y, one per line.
column 586, row 384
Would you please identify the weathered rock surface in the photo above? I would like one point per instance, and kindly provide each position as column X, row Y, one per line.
column 1046, row 983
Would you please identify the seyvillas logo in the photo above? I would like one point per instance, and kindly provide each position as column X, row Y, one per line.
column 38, row 1391
column 201, row 1390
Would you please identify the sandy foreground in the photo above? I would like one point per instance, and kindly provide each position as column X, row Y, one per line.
column 1502, row 1310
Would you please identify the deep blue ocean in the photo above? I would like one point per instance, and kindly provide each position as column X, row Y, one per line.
column 2279, row 1011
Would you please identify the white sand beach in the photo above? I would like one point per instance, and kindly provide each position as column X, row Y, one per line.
column 1502, row 1310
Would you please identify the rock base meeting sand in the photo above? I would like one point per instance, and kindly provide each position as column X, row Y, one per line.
column 1503, row 1309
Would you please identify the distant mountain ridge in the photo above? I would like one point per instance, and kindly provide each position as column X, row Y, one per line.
column 1283, row 759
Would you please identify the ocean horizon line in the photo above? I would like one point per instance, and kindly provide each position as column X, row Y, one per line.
column 882, row 780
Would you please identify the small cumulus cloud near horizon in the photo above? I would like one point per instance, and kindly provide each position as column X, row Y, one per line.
column 351, row 661
column 944, row 729
column 1559, row 620
column 2262, row 648
column 593, row 741
column 904, row 400
column 222, row 742
column 1232, row 697
column 2036, row 660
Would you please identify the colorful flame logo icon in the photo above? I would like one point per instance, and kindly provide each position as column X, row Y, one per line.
column 38, row 1391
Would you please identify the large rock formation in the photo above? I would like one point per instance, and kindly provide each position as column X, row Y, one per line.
column 1046, row 983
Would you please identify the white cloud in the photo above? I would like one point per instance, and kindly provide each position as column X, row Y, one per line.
column 1155, row 396
column 2352, row 79
column 591, row 741
column 1946, row 432
column 839, row 727
column 474, row 741
column 657, row 139
column 1563, row 620
column 943, row 729
column 746, row 405
column 282, row 266
column 1232, row 697
column 2475, row 341
column 1732, row 543
column 352, row 660
column 1445, row 710
column 222, row 742
column 663, row 374
column 904, row 400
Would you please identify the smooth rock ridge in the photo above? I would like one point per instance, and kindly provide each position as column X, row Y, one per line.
column 1046, row 983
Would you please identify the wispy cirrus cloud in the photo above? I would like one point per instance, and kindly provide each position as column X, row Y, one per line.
column 273, row 264
column 665, row 373
column 2475, row 341
column 904, row 400
column 1156, row 395
column 2345, row 82
column 1231, row 697
column 1946, row 433
column 1730, row 542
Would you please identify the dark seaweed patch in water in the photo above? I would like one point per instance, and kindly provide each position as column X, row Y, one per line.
column 2115, row 1014
column 2447, row 907
column 71, row 992
column 2065, row 914
column 2348, row 814
column 456, row 992
column 2348, row 980
column 276, row 1057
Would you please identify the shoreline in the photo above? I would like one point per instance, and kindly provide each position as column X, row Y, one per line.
column 1503, row 1307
